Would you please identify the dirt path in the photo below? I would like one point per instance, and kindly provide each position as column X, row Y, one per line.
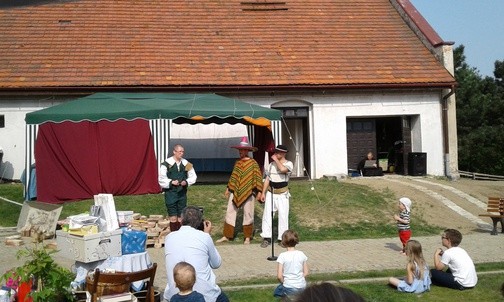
column 460, row 201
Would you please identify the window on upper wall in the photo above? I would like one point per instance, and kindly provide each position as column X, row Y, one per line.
column 2, row 121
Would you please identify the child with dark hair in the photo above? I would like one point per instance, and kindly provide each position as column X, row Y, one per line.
column 327, row 292
column 292, row 267
column 461, row 273
column 185, row 277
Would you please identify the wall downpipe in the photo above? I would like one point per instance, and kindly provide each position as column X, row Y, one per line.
column 446, row 144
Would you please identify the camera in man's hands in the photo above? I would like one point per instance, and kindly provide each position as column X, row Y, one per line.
column 201, row 226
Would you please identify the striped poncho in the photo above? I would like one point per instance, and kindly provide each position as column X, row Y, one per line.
column 245, row 180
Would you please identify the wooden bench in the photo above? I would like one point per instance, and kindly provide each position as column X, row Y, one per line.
column 495, row 209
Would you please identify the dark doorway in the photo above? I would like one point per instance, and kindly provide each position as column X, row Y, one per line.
column 389, row 138
column 296, row 127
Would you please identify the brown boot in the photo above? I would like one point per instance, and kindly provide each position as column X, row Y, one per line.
column 228, row 231
column 174, row 226
column 248, row 231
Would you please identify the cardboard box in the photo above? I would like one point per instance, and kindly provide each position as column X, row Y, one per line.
column 89, row 248
column 124, row 217
column 39, row 217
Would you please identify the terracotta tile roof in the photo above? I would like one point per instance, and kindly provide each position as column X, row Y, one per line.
column 167, row 43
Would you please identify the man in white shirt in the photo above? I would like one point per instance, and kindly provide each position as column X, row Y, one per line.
column 461, row 273
column 276, row 194
column 175, row 175
column 195, row 247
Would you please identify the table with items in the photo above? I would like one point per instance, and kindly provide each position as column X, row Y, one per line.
column 125, row 263
column 97, row 241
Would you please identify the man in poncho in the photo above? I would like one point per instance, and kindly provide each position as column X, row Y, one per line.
column 244, row 187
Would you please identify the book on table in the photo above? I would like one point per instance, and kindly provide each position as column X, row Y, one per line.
column 122, row 297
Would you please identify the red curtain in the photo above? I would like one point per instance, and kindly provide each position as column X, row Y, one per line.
column 263, row 140
column 78, row 160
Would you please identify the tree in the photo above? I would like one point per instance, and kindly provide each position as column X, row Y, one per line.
column 499, row 72
column 480, row 122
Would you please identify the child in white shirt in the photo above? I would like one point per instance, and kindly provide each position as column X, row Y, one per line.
column 292, row 267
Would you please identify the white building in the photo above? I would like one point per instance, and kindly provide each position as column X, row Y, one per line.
column 351, row 77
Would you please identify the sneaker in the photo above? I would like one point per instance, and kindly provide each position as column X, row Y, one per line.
column 265, row 242
column 280, row 243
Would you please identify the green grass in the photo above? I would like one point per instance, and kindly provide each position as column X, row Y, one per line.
column 332, row 210
column 10, row 212
column 488, row 288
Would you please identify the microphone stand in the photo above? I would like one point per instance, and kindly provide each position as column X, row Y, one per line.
column 272, row 257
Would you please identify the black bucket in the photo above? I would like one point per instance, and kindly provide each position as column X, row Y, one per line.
column 141, row 295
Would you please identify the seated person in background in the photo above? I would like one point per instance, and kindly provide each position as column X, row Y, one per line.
column 368, row 166
column 362, row 163
column 325, row 291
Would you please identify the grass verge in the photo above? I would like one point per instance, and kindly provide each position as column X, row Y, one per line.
column 372, row 285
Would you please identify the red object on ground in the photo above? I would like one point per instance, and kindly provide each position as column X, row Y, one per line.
column 23, row 291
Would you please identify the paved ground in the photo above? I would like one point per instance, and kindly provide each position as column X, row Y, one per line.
column 242, row 262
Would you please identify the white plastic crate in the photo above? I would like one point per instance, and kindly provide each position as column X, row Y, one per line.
column 89, row 248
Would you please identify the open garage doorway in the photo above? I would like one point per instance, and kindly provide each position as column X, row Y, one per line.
column 389, row 138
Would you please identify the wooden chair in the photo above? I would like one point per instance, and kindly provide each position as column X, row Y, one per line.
column 124, row 277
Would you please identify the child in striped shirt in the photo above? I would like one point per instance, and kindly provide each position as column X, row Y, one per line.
column 403, row 221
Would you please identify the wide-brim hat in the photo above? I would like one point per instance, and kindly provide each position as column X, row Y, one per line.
column 281, row 148
column 245, row 145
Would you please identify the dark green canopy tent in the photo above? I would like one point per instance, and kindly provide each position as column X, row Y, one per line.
column 179, row 107
column 84, row 144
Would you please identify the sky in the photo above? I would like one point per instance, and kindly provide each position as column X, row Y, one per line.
column 476, row 24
